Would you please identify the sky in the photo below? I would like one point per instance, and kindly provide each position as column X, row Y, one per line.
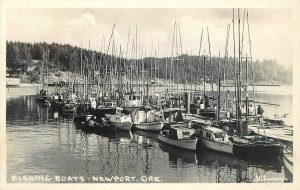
column 270, row 30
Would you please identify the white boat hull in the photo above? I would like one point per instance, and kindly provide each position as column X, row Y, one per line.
column 217, row 146
column 119, row 118
column 149, row 126
column 189, row 144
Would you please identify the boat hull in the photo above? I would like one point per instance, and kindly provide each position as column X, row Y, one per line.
column 176, row 125
column 126, row 126
column 288, row 166
column 257, row 150
column 149, row 126
column 216, row 146
column 96, row 128
column 82, row 118
column 129, row 110
column 189, row 144
column 100, row 112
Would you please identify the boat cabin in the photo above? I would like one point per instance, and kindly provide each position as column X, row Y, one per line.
column 108, row 105
column 173, row 115
column 180, row 133
column 212, row 133
column 132, row 100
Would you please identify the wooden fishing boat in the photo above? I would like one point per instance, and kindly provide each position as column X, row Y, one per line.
column 132, row 102
column 172, row 117
column 41, row 95
column 149, row 126
column 69, row 108
column 256, row 146
column 214, row 139
column 94, row 125
column 105, row 108
column 206, row 107
column 122, row 121
column 144, row 119
column 56, row 101
column 180, row 137
column 274, row 122
column 82, row 117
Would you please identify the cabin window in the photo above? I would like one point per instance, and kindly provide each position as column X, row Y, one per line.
column 129, row 97
column 133, row 98
column 208, row 135
column 220, row 135
column 200, row 133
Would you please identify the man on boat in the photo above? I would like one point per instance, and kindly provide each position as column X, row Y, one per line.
column 260, row 110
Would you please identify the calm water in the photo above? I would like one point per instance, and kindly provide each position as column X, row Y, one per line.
column 45, row 147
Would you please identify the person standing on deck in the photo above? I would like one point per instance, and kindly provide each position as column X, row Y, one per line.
column 260, row 110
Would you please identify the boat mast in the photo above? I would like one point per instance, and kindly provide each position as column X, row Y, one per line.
column 235, row 73
column 239, row 76
column 250, row 51
column 171, row 65
column 219, row 90
column 199, row 53
column 204, row 76
column 225, row 69
column 210, row 62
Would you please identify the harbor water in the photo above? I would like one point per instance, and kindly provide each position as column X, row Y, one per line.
column 43, row 146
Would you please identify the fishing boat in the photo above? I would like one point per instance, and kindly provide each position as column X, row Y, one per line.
column 82, row 117
column 95, row 125
column 68, row 108
column 132, row 101
column 41, row 95
column 287, row 157
column 144, row 119
column 206, row 107
column 172, row 117
column 180, row 137
column 214, row 138
column 256, row 146
column 56, row 101
column 274, row 122
column 70, row 105
column 105, row 108
column 121, row 120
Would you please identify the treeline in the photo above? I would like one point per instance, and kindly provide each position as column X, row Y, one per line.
column 20, row 55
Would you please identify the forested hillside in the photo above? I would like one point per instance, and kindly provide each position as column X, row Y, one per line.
column 20, row 56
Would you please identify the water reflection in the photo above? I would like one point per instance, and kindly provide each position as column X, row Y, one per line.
column 41, row 141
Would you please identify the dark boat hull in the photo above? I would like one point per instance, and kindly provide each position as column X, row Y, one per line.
column 100, row 112
column 208, row 113
column 92, row 126
column 56, row 105
column 258, row 150
column 82, row 118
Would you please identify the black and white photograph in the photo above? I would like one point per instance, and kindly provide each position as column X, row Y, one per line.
column 153, row 94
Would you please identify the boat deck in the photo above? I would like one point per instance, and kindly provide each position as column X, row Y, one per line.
column 281, row 133
column 197, row 119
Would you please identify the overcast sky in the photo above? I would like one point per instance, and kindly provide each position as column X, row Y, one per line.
column 270, row 29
